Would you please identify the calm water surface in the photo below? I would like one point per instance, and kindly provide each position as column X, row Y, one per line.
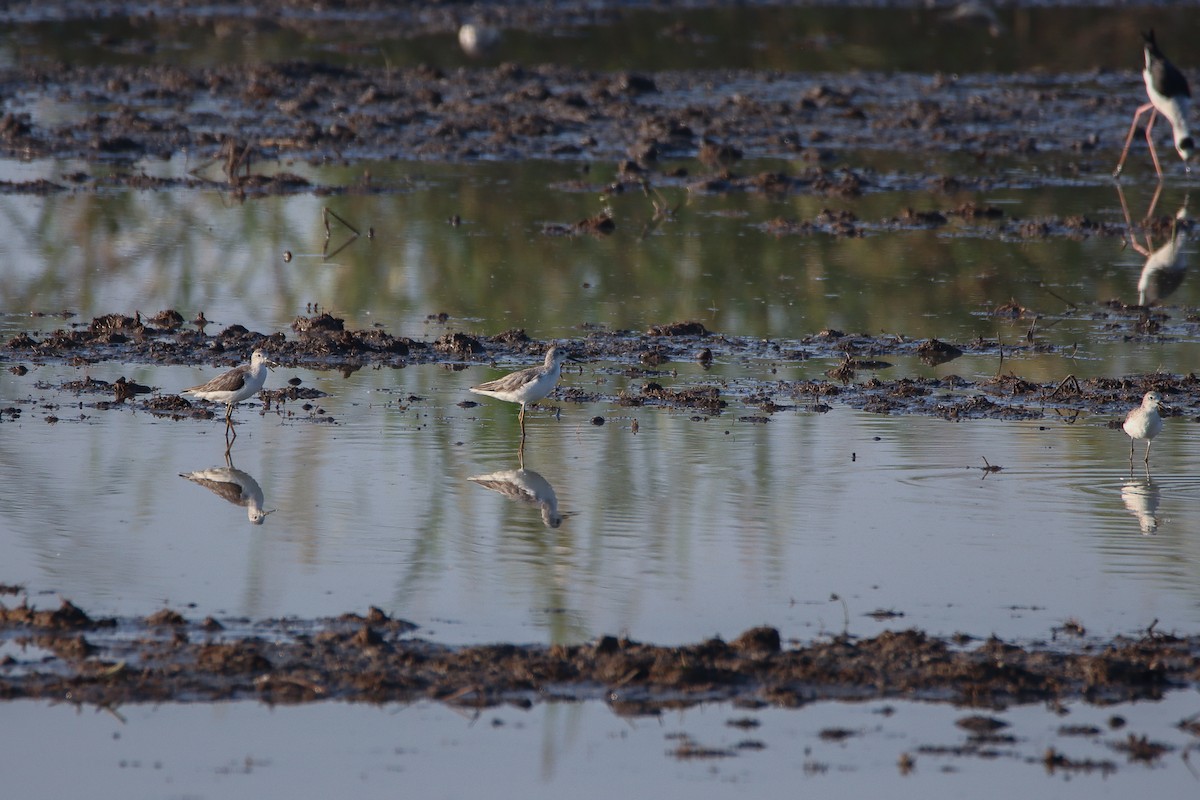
column 200, row 250
column 810, row 38
column 682, row 530
column 236, row 750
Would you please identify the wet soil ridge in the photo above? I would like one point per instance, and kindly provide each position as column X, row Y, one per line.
column 858, row 378
column 372, row 658
column 517, row 112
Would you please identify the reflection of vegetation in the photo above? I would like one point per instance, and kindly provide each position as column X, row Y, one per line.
column 195, row 250
column 817, row 39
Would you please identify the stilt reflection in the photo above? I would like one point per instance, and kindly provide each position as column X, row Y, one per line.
column 1165, row 266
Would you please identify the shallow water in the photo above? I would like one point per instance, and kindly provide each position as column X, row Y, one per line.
column 811, row 38
column 236, row 750
column 714, row 262
column 814, row 523
column 680, row 531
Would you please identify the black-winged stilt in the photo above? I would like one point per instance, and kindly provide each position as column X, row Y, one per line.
column 1170, row 96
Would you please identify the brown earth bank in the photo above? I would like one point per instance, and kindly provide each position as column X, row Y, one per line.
column 374, row 658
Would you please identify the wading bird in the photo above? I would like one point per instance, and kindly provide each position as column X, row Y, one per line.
column 1144, row 422
column 235, row 386
column 526, row 386
column 1170, row 96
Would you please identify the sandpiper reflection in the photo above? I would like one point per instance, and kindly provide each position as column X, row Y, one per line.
column 234, row 485
column 1140, row 496
column 524, row 486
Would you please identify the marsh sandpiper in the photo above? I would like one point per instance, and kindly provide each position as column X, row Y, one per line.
column 527, row 386
column 1144, row 422
column 234, row 386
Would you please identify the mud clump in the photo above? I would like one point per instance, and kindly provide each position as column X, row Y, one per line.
column 678, row 329
column 704, row 398
column 325, row 323
column 166, row 617
column 326, row 335
column 934, row 352
column 67, row 617
column 459, row 344
column 512, row 336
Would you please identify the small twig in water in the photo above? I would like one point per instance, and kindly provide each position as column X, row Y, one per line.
column 327, row 212
column 845, row 614
column 1055, row 295
column 1187, row 762
column 1070, row 382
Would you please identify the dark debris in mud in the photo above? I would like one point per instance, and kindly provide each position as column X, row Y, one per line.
column 373, row 658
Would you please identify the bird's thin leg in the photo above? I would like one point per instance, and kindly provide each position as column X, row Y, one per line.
column 1153, row 205
column 1131, row 454
column 1129, row 139
column 1150, row 141
column 1133, row 242
column 1147, row 451
column 1124, row 206
column 521, row 418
